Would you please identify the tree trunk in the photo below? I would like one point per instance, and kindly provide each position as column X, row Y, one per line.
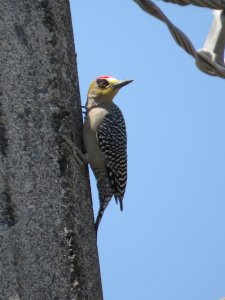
column 47, row 240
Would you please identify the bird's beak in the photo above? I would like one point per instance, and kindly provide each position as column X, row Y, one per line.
column 121, row 83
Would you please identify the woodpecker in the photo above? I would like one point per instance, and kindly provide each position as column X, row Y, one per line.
column 105, row 141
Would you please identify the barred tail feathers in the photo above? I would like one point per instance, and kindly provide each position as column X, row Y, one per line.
column 105, row 190
column 101, row 212
column 105, row 195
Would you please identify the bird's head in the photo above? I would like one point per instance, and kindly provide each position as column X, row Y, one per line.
column 103, row 89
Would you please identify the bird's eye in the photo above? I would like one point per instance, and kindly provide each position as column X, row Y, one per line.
column 102, row 83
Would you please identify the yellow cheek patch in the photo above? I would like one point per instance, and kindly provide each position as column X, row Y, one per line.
column 109, row 91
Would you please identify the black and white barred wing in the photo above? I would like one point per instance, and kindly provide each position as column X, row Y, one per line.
column 112, row 140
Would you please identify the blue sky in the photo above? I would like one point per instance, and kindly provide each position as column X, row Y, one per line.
column 169, row 242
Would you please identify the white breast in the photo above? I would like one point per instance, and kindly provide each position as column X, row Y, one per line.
column 95, row 156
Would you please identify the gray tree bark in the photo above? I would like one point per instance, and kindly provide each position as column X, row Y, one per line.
column 47, row 241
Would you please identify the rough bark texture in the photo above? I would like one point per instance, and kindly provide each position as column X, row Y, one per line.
column 47, row 241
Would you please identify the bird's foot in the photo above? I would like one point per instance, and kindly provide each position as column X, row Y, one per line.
column 78, row 155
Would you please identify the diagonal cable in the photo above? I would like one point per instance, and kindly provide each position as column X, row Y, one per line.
column 203, row 60
column 213, row 4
